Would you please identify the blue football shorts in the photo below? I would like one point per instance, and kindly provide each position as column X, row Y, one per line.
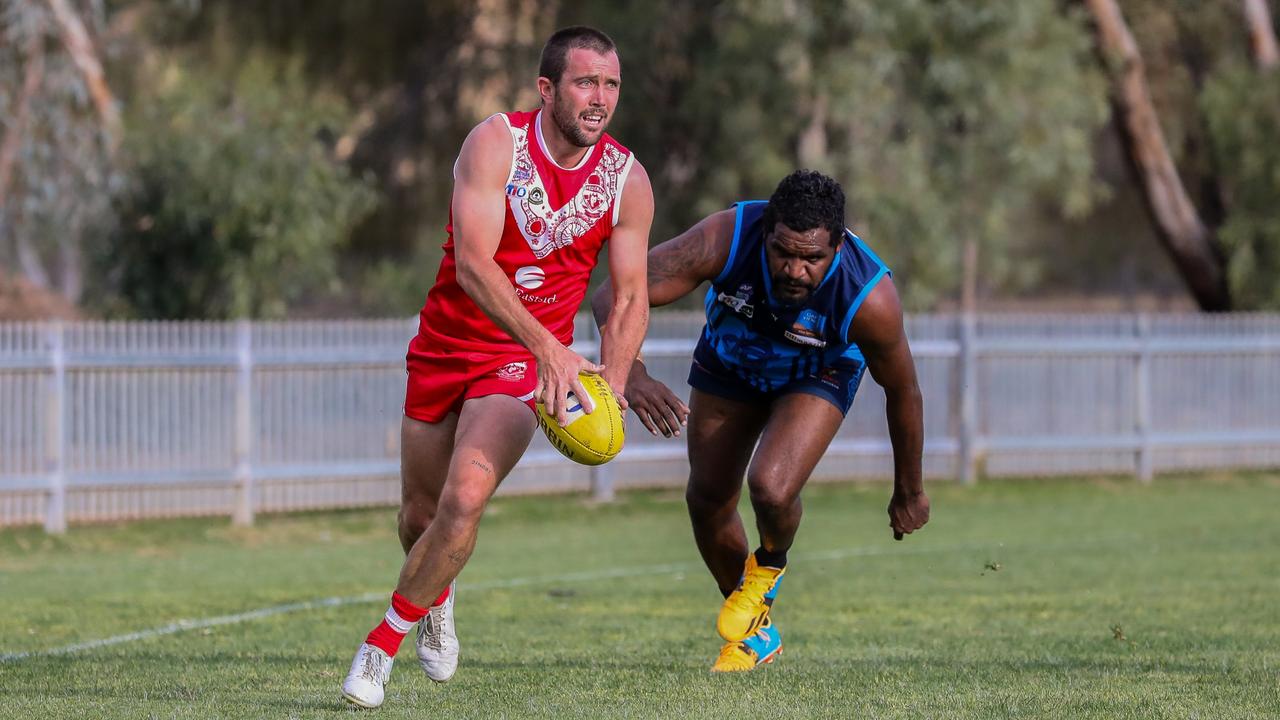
column 836, row 383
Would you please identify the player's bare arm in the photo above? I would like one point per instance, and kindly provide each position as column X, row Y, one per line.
column 675, row 268
column 877, row 329
column 479, row 198
column 628, row 258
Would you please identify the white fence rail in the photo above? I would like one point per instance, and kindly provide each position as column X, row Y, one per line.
column 108, row 421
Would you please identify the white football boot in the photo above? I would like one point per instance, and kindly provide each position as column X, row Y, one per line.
column 370, row 672
column 437, row 640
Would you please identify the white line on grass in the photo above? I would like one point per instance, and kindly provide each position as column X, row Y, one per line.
column 584, row 576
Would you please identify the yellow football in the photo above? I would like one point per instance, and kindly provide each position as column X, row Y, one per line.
column 592, row 438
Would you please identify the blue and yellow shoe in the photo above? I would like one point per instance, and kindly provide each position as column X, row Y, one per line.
column 747, row 608
column 763, row 647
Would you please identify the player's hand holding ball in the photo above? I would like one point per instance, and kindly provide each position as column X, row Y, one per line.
column 559, row 373
column 587, row 438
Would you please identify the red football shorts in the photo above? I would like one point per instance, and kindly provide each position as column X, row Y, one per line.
column 441, row 380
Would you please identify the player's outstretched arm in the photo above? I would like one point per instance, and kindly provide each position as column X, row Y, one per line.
column 675, row 269
column 479, row 210
column 678, row 266
column 877, row 329
column 628, row 260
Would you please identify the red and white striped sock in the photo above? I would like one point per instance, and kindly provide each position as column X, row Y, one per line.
column 395, row 624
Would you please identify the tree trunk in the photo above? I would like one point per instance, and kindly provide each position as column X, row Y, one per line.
column 80, row 48
column 811, row 148
column 71, row 262
column 969, row 279
column 1262, row 34
column 30, row 264
column 1177, row 222
column 18, row 124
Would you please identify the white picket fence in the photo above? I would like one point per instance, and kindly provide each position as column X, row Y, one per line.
column 110, row 421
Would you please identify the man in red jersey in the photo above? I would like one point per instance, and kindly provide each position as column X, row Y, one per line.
column 536, row 195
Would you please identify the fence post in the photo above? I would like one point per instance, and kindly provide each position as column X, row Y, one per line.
column 1142, row 400
column 601, row 475
column 244, row 504
column 968, row 399
column 55, row 519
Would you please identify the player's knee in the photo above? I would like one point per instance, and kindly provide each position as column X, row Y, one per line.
column 707, row 501
column 462, row 508
column 769, row 497
column 414, row 519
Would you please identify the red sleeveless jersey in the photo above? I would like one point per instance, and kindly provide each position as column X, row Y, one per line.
column 557, row 220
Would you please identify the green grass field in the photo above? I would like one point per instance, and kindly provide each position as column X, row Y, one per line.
column 1054, row 599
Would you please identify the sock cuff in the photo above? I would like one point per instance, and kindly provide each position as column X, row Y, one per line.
column 405, row 609
column 775, row 559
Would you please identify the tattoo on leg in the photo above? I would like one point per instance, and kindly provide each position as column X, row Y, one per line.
column 487, row 470
column 458, row 557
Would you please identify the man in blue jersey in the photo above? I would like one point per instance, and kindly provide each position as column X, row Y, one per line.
column 798, row 308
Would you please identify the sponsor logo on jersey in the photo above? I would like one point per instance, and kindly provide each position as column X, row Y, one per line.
column 530, row 277
column 536, row 299
column 512, row 372
column 807, row 330
column 738, row 301
column 829, row 376
column 803, row 336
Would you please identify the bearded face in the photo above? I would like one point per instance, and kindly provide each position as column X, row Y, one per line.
column 797, row 262
column 582, row 103
column 584, row 127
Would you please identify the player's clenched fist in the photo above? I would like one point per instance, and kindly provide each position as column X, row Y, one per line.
column 908, row 513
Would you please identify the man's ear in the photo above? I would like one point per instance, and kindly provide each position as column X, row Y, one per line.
column 546, row 88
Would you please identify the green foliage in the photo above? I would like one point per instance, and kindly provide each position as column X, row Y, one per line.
column 236, row 208
column 1242, row 112
column 944, row 120
column 1183, row 43
column 972, row 114
column 57, row 203
column 1220, row 116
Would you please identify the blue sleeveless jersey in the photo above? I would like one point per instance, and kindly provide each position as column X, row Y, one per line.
column 769, row 345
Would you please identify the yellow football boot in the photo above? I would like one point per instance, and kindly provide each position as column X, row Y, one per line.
column 746, row 609
column 759, row 649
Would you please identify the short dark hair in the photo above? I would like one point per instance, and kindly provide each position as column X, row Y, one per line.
column 555, row 54
column 805, row 200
